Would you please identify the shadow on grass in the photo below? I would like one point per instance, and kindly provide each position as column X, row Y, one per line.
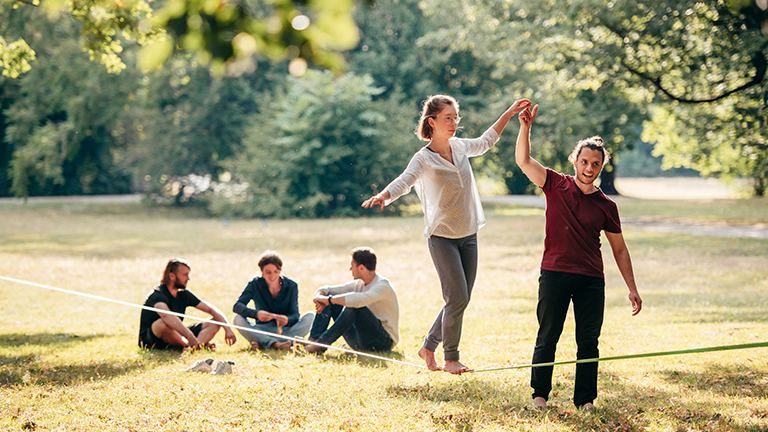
column 43, row 339
column 342, row 357
column 734, row 381
column 713, row 400
column 26, row 370
column 34, row 364
column 339, row 357
column 706, row 403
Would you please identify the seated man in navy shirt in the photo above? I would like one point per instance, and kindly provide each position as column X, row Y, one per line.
column 275, row 307
column 164, row 331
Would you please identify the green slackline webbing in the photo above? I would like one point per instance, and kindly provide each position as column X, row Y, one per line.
column 634, row 356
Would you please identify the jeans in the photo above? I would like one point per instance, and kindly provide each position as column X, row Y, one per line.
column 359, row 326
column 297, row 330
column 556, row 290
column 456, row 264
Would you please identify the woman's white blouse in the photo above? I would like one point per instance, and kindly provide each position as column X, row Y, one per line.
column 448, row 193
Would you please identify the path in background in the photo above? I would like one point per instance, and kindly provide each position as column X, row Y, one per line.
column 664, row 188
column 644, row 188
column 102, row 199
column 676, row 188
column 637, row 187
column 712, row 229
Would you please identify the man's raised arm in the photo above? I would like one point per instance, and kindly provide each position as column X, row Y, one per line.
column 530, row 166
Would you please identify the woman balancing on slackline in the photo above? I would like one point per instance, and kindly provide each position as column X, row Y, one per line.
column 452, row 214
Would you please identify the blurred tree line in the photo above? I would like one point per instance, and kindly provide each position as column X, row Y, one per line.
column 229, row 129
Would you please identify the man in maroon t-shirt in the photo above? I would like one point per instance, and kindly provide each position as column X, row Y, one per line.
column 572, row 266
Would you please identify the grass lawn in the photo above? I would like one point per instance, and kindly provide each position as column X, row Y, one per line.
column 69, row 363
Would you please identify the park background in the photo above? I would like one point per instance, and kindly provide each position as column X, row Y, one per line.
column 246, row 126
column 304, row 109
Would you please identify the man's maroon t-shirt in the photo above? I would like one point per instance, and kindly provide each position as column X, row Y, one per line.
column 573, row 224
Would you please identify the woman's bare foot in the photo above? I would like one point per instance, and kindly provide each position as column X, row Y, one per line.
column 540, row 403
column 285, row 345
column 429, row 357
column 256, row 346
column 455, row 367
column 589, row 406
column 209, row 346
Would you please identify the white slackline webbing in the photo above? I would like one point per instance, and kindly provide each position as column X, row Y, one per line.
column 167, row 312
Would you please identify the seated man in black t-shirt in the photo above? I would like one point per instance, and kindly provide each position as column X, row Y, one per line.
column 162, row 331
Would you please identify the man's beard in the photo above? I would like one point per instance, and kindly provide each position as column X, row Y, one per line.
column 179, row 286
column 581, row 179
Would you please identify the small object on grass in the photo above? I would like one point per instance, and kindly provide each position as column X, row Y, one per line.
column 212, row 366
column 201, row 366
column 222, row 367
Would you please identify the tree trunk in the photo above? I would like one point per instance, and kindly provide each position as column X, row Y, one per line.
column 607, row 179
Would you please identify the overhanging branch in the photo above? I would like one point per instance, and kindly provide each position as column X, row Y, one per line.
column 656, row 81
column 758, row 60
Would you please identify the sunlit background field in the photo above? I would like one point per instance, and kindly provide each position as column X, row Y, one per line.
column 71, row 363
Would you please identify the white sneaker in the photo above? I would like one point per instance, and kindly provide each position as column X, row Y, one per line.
column 222, row 367
column 200, row 366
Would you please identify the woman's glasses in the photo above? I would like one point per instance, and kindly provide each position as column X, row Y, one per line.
column 450, row 119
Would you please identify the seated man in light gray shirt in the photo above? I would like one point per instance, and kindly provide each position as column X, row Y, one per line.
column 364, row 311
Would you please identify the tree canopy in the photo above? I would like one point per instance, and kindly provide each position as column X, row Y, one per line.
column 690, row 59
column 189, row 101
column 227, row 36
column 319, row 149
column 707, row 61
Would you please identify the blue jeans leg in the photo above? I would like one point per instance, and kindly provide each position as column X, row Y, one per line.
column 367, row 334
column 262, row 339
column 301, row 327
column 359, row 327
column 323, row 320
